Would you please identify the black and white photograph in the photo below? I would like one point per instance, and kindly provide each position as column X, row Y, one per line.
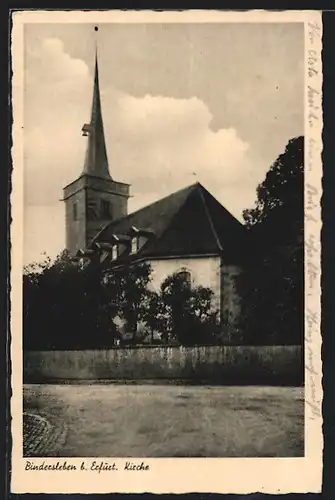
column 164, row 256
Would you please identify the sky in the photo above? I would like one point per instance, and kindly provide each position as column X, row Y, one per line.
column 213, row 103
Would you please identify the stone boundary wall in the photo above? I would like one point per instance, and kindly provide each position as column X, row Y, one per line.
column 272, row 365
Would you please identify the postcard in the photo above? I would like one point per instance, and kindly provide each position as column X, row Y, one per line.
column 165, row 252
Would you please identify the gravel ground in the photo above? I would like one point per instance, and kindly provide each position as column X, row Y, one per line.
column 163, row 421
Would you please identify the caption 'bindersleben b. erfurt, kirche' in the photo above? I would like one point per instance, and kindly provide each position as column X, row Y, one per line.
column 188, row 231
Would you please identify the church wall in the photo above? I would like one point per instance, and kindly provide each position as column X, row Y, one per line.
column 204, row 271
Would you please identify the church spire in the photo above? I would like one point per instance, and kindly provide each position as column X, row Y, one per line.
column 96, row 162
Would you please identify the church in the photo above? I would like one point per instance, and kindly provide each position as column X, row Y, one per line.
column 187, row 232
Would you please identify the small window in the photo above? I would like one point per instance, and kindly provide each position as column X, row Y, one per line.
column 114, row 252
column 106, row 209
column 186, row 277
column 75, row 211
column 134, row 245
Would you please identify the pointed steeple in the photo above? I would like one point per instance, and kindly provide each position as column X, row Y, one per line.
column 96, row 162
column 94, row 198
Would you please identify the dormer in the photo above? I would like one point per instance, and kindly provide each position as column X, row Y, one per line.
column 115, row 249
column 88, row 253
column 139, row 237
column 84, row 257
column 104, row 250
column 120, row 244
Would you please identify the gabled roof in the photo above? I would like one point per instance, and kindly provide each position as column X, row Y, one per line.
column 188, row 222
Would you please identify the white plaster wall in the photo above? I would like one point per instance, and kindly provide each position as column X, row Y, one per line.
column 204, row 271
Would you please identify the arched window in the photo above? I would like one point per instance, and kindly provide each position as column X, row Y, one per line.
column 185, row 276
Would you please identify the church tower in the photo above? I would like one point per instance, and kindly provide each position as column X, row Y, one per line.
column 94, row 198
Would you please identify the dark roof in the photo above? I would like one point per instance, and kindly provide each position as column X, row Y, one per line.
column 188, row 222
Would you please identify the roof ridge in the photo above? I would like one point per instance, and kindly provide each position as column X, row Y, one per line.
column 158, row 201
column 209, row 218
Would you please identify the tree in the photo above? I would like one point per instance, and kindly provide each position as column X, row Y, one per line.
column 68, row 306
column 272, row 284
column 130, row 285
column 64, row 306
column 154, row 315
column 71, row 306
column 188, row 313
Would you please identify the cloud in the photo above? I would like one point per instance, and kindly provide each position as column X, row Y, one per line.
column 156, row 143
column 161, row 144
column 49, row 63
